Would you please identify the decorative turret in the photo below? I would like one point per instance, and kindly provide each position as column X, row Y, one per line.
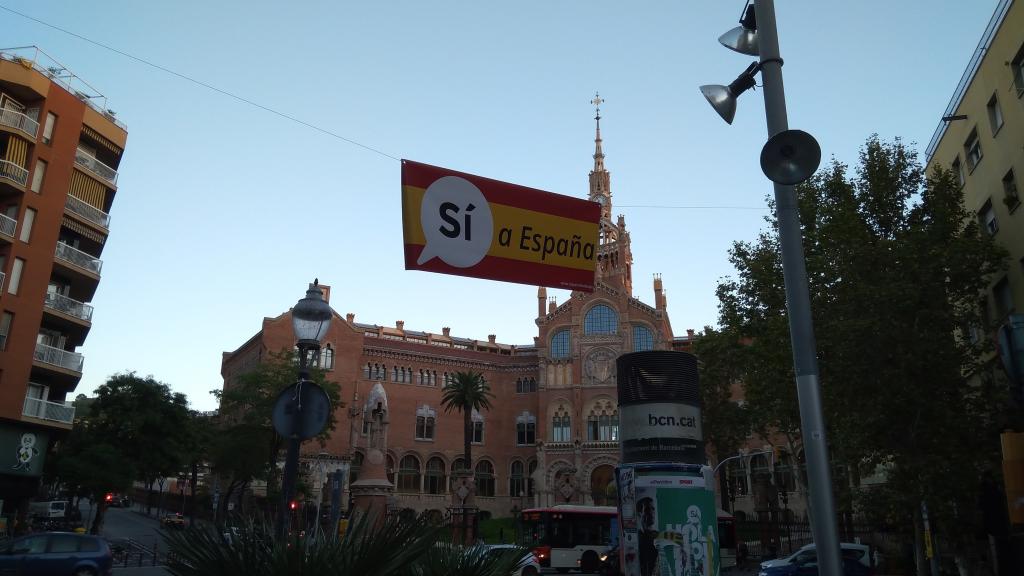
column 659, row 293
column 542, row 297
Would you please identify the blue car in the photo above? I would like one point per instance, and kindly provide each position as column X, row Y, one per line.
column 56, row 554
column 804, row 562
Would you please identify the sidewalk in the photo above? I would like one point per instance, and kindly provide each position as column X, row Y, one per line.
column 144, row 571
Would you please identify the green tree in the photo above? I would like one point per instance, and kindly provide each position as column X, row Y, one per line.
column 895, row 268
column 726, row 424
column 89, row 466
column 247, row 446
column 144, row 420
column 465, row 392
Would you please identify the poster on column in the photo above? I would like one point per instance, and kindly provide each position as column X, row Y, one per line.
column 669, row 521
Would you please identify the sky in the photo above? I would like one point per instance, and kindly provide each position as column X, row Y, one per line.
column 225, row 211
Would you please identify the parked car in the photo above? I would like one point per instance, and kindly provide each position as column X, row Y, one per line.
column 117, row 500
column 173, row 521
column 529, row 566
column 57, row 554
column 52, row 509
column 804, row 562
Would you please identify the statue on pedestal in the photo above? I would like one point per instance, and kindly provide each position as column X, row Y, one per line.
column 371, row 493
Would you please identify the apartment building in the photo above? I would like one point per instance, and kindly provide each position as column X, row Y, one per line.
column 60, row 147
column 981, row 137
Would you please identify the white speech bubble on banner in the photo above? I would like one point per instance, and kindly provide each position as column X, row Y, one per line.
column 457, row 223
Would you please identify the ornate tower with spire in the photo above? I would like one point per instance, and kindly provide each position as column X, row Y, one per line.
column 614, row 259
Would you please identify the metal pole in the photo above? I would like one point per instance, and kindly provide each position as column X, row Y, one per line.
column 195, row 477
column 335, row 503
column 291, row 463
column 929, row 541
column 798, row 305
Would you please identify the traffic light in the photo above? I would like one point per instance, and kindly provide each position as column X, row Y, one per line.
column 109, row 497
column 293, row 505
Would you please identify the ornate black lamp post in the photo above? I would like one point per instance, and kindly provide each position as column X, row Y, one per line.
column 302, row 409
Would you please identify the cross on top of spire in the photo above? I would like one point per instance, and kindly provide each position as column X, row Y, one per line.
column 597, row 101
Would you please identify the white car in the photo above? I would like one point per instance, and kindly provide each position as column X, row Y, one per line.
column 859, row 552
column 530, row 566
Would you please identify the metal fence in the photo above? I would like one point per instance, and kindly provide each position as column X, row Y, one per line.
column 138, row 552
column 764, row 540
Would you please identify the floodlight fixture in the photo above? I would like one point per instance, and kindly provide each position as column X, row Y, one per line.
column 723, row 98
column 743, row 38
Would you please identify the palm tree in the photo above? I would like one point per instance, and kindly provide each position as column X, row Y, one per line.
column 465, row 392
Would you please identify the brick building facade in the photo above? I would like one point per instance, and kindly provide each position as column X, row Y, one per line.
column 552, row 435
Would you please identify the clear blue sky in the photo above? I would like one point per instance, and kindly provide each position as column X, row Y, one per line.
column 225, row 212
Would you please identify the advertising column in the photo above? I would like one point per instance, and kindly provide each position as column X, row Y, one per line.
column 666, row 501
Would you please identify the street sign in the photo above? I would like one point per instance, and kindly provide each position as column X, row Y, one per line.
column 467, row 225
column 316, row 410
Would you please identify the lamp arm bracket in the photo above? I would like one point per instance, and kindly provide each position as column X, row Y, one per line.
column 761, row 64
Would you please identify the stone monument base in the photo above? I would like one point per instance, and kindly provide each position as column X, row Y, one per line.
column 370, row 498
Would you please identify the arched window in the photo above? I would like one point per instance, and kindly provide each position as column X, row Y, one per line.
column 478, row 427
column 561, row 428
column 367, row 371
column 357, row 464
column 394, row 374
column 592, row 430
column 785, row 477
column 759, row 467
column 603, row 422
column 434, row 478
column 426, row 419
column 390, row 469
column 560, row 344
column 526, row 429
column 484, row 478
column 327, row 358
column 737, row 477
column 409, row 474
column 517, row 479
column 643, row 339
column 458, row 464
column 601, row 320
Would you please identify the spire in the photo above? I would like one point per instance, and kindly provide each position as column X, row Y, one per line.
column 600, row 179
column 598, row 153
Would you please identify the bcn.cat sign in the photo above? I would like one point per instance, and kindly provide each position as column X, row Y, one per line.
column 457, row 223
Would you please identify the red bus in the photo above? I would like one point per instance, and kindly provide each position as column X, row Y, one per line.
column 569, row 537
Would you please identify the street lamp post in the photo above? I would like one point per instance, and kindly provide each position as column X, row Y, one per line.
column 790, row 157
column 311, row 317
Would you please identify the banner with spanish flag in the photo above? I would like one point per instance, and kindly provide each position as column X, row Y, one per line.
column 466, row 225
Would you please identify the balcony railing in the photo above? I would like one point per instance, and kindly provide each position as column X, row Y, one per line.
column 90, row 163
column 78, row 258
column 19, row 121
column 89, row 212
column 7, row 225
column 49, row 355
column 45, row 410
column 13, row 172
column 69, row 306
